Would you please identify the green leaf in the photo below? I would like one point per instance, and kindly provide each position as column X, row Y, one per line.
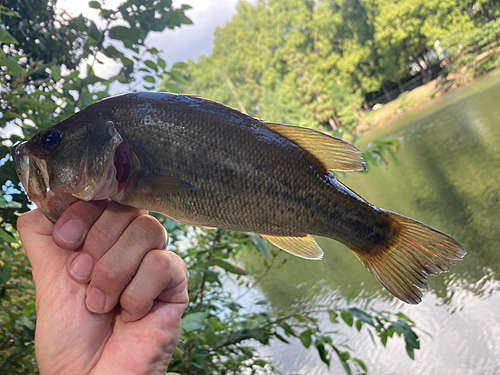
column 94, row 31
column 149, row 79
column 84, row 100
column 6, row 236
column 95, row 4
column 288, row 330
column 194, row 321
column 360, row 363
column 259, row 243
column 212, row 275
column 346, row 317
column 151, row 65
column 229, row 267
column 56, row 72
column 322, row 353
column 305, row 338
column 6, row 38
column 361, row 315
column 359, row 324
column 180, row 65
column 12, row 65
column 262, row 302
column 333, row 316
column 281, row 338
column 210, row 336
column 161, row 63
column 112, row 52
column 177, row 76
column 124, row 34
column 344, row 356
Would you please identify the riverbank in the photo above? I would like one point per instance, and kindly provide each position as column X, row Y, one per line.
column 411, row 100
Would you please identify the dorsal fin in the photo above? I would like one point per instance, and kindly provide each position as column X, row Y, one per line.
column 304, row 247
column 334, row 153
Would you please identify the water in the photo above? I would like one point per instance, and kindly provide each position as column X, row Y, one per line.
column 448, row 178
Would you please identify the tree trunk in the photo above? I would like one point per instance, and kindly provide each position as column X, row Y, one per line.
column 235, row 93
column 401, row 87
column 366, row 106
column 386, row 93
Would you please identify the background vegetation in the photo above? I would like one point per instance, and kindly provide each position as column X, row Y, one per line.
column 324, row 63
column 302, row 62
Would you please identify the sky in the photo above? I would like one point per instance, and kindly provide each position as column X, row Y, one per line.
column 188, row 41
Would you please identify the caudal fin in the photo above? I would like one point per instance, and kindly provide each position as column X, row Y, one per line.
column 415, row 252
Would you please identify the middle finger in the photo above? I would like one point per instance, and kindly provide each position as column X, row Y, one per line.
column 114, row 270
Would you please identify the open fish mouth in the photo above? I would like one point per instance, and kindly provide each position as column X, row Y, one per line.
column 32, row 172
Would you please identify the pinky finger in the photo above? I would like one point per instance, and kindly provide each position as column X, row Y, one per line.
column 161, row 276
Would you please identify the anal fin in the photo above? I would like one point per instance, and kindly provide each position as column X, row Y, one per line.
column 304, row 247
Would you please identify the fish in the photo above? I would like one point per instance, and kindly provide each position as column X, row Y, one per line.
column 202, row 163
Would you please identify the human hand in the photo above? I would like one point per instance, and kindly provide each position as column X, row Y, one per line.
column 96, row 255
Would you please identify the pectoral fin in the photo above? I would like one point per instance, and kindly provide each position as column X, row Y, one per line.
column 158, row 185
column 304, row 247
column 334, row 153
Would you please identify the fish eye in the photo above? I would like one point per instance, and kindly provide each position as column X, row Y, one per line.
column 51, row 139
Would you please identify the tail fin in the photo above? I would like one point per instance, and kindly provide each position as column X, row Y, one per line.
column 415, row 252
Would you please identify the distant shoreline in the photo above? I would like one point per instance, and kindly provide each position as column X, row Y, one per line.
column 410, row 100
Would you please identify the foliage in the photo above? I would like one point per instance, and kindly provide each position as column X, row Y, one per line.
column 48, row 71
column 316, row 63
column 473, row 52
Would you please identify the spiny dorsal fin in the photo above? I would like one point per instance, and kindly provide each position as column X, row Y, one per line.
column 334, row 153
column 304, row 247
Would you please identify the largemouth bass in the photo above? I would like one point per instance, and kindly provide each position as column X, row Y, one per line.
column 205, row 164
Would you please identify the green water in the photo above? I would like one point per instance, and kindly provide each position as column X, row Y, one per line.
column 448, row 177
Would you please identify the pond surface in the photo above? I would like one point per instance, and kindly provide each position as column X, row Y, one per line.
column 449, row 178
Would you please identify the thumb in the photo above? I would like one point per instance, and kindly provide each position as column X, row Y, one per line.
column 35, row 231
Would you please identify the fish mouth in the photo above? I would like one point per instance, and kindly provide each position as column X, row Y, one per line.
column 34, row 176
column 32, row 172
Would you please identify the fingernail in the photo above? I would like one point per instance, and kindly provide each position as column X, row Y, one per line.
column 126, row 316
column 82, row 266
column 96, row 301
column 71, row 231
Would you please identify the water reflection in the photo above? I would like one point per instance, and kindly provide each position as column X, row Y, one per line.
column 448, row 179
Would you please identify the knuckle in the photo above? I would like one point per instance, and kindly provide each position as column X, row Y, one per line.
column 130, row 300
column 157, row 261
column 147, row 227
column 106, row 273
column 103, row 232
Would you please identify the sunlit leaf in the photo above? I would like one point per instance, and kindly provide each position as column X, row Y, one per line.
column 347, row 318
column 194, row 321
column 6, row 38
